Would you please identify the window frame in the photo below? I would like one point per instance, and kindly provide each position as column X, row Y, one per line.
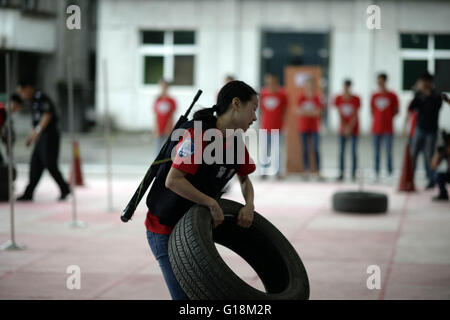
column 168, row 50
column 430, row 54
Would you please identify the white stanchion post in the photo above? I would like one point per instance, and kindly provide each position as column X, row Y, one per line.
column 10, row 244
column 75, row 223
column 108, row 139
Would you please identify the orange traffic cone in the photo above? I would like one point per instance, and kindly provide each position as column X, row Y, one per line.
column 76, row 165
column 407, row 177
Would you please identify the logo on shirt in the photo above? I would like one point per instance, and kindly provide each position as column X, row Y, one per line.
column 221, row 172
column 186, row 148
column 308, row 105
column 347, row 109
column 163, row 107
column 381, row 103
column 271, row 102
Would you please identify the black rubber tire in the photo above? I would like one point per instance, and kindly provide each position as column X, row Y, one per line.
column 360, row 202
column 204, row 275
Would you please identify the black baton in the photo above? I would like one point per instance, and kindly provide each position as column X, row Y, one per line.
column 127, row 214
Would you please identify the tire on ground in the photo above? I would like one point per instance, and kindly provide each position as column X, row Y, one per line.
column 204, row 275
column 360, row 202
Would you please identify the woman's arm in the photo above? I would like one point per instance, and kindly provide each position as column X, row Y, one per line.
column 245, row 216
column 177, row 182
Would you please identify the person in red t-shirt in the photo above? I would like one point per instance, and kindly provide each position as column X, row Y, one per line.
column 273, row 102
column 384, row 106
column 184, row 182
column 348, row 106
column 309, row 110
column 164, row 108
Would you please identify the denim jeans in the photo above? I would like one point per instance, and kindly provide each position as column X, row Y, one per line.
column 424, row 142
column 343, row 142
column 267, row 152
column 305, row 136
column 159, row 245
column 377, row 139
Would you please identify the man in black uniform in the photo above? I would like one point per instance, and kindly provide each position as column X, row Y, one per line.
column 427, row 102
column 46, row 137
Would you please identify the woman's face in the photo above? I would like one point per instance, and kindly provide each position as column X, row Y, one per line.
column 245, row 113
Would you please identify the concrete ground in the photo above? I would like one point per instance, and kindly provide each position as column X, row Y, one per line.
column 410, row 244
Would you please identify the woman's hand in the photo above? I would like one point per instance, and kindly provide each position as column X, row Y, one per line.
column 216, row 212
column 245, row 216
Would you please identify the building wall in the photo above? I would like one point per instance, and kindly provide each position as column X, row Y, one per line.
column 228, row 34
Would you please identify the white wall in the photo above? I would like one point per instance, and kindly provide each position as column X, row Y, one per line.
column 228, row 34
column 27, row 33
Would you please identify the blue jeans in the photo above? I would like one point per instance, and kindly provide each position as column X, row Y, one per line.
column 388, row 144
column 342, row 142
column 159, row 245
column 424, row 142
column 305, row 136
column 268, row 152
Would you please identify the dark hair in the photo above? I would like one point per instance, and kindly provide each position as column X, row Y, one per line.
column 233, row 89
column 383, row 75
column 426, row 76
column 230, row 77
column 24, row 82
column 348, row 82
column 16, row 98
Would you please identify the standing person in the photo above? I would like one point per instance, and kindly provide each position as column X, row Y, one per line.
column 309, row 111
column 384, row 106
column 427, row 103
column 46, row 139
column 164, row 108
column 442, row 178
column 16, row 104
column 273, row 101
column 185, row 182
column 348, row 106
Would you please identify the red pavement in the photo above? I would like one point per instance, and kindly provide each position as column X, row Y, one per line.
column 410, row 244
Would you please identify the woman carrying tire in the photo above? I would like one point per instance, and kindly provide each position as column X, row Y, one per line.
column 184, row 182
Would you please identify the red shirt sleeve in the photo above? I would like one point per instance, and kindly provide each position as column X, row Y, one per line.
column 248, row 166
column 186, row 149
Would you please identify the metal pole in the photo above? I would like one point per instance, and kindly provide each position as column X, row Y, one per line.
column 11, row 244
column 108, row 139
column 75, row 222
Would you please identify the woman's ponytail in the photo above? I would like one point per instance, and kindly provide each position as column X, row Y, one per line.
column 205, row 114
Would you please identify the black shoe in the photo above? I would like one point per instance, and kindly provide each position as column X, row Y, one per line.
column 25, row 197
column 441, row 197
column 430, row 186
column 340, row 178
column 263, row 177
column 64, row 195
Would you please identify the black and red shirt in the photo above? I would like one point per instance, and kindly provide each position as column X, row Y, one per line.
column 165, row 206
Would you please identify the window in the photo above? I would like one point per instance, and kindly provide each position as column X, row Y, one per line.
column 169, row 55
column 425, row 52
